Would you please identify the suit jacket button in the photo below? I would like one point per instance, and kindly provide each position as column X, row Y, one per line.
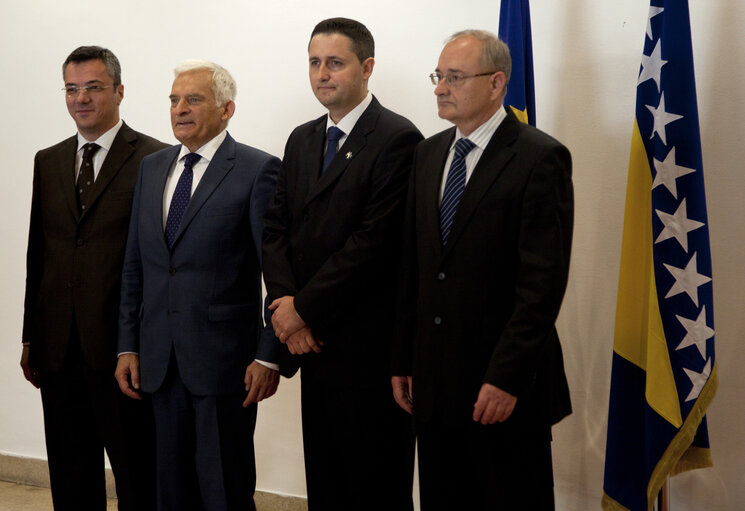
column 441, row 276
column 438, row 320
column 172, row 271
column 80, row 243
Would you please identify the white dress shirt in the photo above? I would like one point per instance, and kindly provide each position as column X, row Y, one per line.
column 480, row 137
column 346, row 124
column 104, row 141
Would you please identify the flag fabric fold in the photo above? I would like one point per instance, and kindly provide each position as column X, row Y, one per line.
column 514, row 29
column 664, row 373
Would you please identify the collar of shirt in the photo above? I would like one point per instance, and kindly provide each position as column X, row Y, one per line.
column 104, row 141
column 346, row 124
column 480, row 137
column 207, row 153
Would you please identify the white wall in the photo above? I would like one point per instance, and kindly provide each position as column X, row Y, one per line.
column 587, row 56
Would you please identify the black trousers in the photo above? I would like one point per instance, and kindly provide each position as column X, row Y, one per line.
column 85, row 413
column 205, row 449
column 504, row 466
column 358, row 446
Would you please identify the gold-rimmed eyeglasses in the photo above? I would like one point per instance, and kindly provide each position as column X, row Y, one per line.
column 454, row 79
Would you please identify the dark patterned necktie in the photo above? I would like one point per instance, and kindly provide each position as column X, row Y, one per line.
column 334, row 134
column 84, row 185
column 454, row 186
column 180, row 199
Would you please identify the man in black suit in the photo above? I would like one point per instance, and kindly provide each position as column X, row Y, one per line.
column 330, row 255
column 486, row 255
column 82, row 196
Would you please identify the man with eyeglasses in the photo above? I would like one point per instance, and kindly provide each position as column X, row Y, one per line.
column 486, row 254
column 82, row 197
column 331, row 247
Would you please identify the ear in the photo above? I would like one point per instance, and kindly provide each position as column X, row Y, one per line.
column 498, row 82
column 228, row 110
column 367, row 67
column 119, row 93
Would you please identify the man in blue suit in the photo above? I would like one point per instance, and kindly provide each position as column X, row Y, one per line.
column 190, row 326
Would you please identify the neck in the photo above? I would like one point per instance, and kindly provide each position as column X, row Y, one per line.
column 468, row 127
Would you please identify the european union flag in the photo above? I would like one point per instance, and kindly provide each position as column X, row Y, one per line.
column 664, row 372
column 514, row 29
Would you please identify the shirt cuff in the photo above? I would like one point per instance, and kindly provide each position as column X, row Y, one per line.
column 268, row 364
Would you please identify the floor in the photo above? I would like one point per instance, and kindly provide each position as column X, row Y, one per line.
column 17, row 497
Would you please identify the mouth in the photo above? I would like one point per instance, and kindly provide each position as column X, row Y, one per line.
column 183, row 124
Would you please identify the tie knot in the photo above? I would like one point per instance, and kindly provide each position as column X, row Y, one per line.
column 190, row 159
column 90, row 149
column 462, row 147
column 334, row 134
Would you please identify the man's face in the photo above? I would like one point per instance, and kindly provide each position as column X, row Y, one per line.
column 94, row 113
column 337, row 77
column 474, row 100
column 196, row 117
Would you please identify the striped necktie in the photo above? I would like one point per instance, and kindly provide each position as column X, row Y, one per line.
column 454, row 186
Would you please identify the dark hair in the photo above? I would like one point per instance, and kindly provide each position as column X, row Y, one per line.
column 363, row 44
column 86, row 53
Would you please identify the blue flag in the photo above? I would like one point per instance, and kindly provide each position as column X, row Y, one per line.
column 514, row 29
column 664, row 374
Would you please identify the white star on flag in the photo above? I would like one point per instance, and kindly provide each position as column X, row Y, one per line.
column 653, row 11
column 698, row 332
column 652, row 66
column 668, row 171
column 677, row 225
column 661, row 119
column 698, row 380
column 686, row 280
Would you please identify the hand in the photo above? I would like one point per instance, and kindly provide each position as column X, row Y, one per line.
column 493, row 405
column 402, row 392
column 285, row 319
column 30, row 373
column 303, row 341
column 261, row 383
column 127, row 374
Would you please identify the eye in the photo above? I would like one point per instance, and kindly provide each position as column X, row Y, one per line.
column 71, row 91
column 454, row 79
column 173, row 100
column 193, row 100
column 314, row 63
column 93, row 88
column 336, row 64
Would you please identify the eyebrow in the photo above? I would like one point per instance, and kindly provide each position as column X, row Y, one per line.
column 86, row 83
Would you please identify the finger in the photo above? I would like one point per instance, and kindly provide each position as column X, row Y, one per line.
column 274, row 304
column 135, row 368
column 491, row 412
column 478, row 409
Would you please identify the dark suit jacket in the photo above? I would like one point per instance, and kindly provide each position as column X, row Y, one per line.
column 482, row 309
column 331, row 242
column 74, row 261
column 202, row 298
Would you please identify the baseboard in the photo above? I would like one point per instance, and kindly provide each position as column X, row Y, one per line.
column 34, row 472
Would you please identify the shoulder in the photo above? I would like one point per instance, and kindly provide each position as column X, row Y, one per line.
column 308, row 128
column 389, row 120
column 534, row 137
column 67, row 146
column 438, row 139
column 249, row 153
column 139, row 140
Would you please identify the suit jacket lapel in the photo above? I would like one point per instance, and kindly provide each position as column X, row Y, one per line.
column 160, row 176
column 354, row 143
column 311, row 159
column 67, row 175
column 220, row 165
column 121, row 149
column 433, row 172
column 491, row 164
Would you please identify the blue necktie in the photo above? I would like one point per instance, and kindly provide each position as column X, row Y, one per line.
column 454, row 186
column 334, row 134
column 180, row 198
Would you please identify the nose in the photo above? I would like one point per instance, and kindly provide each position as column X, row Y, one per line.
column 83, row 96
column 182, row 106
column 323, row 71
column 441, row 89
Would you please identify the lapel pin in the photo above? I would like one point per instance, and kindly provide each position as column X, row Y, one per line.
column 349, row 155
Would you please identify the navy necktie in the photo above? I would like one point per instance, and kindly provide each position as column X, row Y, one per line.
column 86, row 176
column 334, row 134
column 180, row 198
column 454, row 186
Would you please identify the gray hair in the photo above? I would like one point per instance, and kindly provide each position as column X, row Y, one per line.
column 494, row 52
column 223, row 85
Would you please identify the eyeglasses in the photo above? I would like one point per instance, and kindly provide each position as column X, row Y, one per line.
column 454, row 80
column 74, row 90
